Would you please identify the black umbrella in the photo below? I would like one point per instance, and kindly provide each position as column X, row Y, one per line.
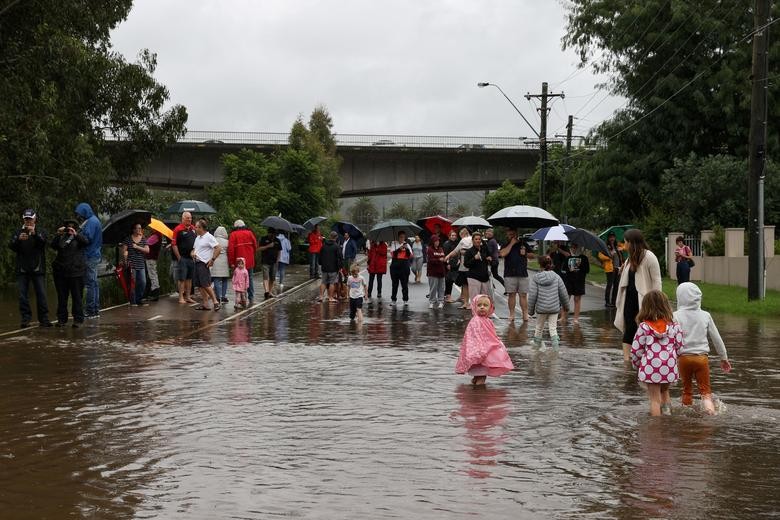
column 298, row 229
column 120, row 225
column 342, row 227
column 196, row 207
column 277, row 223
column 388, row 231
column 309, row 224
column 587, row 240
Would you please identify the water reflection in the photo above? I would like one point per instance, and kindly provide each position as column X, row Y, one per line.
column 482, row 412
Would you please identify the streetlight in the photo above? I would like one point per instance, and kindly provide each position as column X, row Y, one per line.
column 486, row 84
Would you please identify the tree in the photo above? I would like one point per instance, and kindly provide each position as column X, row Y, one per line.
column 683, row 68
column 430, row 205
column 364, row 213
column 322, row 145
column 400, row 210
column 62, row 91
column 507, row 195
column 461, row 210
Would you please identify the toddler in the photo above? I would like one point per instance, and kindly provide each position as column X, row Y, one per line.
column 240, row 282
column 547, row 295
column 482, row 353
column 697, row 325
column 357, row 291
column 655, row 348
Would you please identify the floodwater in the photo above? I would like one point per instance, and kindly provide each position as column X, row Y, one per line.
column 293, row 412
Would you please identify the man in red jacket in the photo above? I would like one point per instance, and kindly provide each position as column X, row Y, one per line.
column 242, row 243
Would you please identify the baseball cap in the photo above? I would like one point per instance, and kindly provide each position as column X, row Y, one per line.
column 239, row 223
column 28, row 213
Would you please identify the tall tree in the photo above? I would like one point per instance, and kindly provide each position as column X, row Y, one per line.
column 62, row 90
column 400, row 210
column 364, row 213
column 430, row 205
column 507, row 195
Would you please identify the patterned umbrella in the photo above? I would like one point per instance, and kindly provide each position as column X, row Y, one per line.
column 553, row 233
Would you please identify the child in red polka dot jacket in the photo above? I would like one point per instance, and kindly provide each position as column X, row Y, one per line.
column 654, row 351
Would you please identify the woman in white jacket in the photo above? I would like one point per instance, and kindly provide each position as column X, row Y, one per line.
column 639, row 275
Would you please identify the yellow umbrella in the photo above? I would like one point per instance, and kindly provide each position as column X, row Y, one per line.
column 159, row 225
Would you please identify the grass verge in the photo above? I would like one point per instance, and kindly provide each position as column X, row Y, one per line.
column 729, row 299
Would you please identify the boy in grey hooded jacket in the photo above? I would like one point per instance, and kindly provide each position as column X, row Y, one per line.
column 693, row 361
column 546, row 296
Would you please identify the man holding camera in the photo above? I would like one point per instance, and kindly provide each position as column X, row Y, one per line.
column 29, row 244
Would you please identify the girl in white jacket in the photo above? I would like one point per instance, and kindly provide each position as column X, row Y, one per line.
column 693, row 363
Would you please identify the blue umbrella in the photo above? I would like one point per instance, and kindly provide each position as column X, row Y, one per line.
column 553, row 233
column 347, row 227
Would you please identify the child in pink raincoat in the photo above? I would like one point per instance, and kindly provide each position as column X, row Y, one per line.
column 482, row 354
column 240, row 282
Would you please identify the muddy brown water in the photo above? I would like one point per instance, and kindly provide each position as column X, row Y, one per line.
column 294, row 412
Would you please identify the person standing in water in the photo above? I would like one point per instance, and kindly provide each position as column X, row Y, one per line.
column 482, row 353
column 357, row 291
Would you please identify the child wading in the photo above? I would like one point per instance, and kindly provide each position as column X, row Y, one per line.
column 654, row 351
column 357, row 291
column 240, row 282
column 693, row 362
column 546, row 297
column 482, row 354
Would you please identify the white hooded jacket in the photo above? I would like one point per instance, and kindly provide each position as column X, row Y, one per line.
column 696, row 324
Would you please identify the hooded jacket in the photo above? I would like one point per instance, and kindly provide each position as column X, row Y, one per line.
column 547, row 293
column 330, row 257
column 481, row 347
column 69, row 262
column 220, row 269
column 92, row 231
column 242, row 244
column 654, row 352
column 697, row 325
column 377, row 258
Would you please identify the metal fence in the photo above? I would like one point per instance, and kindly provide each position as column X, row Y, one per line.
column 694, row 243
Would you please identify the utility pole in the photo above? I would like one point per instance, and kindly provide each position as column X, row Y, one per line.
column 757, row 150
column 569, row 136
column 543, row 112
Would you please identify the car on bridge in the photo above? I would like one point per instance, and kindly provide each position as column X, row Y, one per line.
column 383, row 142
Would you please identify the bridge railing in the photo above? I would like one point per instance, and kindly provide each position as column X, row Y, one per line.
column 369, row 140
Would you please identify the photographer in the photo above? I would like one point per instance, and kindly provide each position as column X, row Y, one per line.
column 29, row 244
column 68, row 268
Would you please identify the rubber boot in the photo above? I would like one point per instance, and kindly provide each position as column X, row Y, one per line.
column 537, row 341
column 555, row 341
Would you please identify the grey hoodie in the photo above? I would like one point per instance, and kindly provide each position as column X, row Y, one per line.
column 547, row 293
column 220, row 268
column 695, row 323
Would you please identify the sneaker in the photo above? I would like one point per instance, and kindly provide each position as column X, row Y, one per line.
column 441, row 305
column 266, row 295
column 392, row 303
column 406, row 303
column 666, row 409
column 224, row 300
column 430, row 306
column 91, row 316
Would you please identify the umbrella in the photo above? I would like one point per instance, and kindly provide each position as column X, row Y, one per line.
column 121, row 224
column 126, row 279
column 298, row 229
column 522, row 217
column 388, row 230
column 193, row 206
column 429, row 222
column 586, row 239
column 309, row 224
column 472, row 222
column 553, row 233
column 347, row 227
column 159, row 226
column 277, row 223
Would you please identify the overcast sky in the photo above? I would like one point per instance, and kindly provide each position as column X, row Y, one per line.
column 380, row 67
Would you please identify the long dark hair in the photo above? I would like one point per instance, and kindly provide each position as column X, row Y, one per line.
column 637, row 246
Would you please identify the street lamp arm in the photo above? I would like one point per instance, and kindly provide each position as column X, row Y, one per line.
column 485, row 84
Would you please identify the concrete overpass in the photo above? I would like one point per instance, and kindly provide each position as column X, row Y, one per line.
column 373, row 164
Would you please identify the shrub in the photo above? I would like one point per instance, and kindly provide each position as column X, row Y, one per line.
column 716, row 246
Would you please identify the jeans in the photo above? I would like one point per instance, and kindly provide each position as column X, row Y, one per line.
column 683, row 272
column 140, row 286
column 314, row 265
column 39, row 285
column 73, row 288
column 436, row 289
column 378, row 277
column 400, row 273
column 220, row 286
column 92, row 286
column 494, row 272
column 610, row 293
column 250, row 292
column 280, row 268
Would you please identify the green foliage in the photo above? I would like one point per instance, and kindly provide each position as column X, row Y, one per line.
column 730, row 299
column 400, row 210
column 461, row 210
column 364, row 213
column 507, row 195
column 62, row 89
column 716, row 246
column 684, row 72
column 430, row 205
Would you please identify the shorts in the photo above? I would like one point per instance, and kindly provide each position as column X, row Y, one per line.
column 516, row 284
column 185, row 268
column 269, row 271
column 330, row 278
column 201, row 276
column 462, row 279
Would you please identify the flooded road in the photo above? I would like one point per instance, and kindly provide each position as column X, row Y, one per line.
column 292, row 411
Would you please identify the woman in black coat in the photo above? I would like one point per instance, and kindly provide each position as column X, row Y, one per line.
column 68, row 269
